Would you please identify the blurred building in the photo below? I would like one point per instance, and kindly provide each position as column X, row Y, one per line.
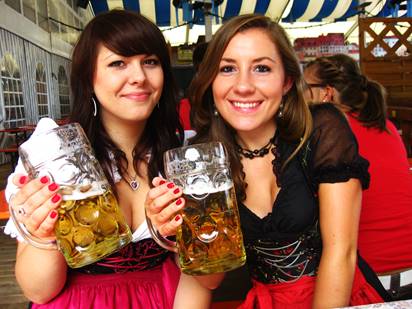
column 36, row 39
column 308, row 49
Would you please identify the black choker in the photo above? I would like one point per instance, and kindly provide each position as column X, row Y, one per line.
column 251, row 154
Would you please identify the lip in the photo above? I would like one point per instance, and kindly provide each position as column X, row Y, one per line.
column 137, row 96
column 245, row 106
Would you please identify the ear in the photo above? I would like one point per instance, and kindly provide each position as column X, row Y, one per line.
column 329, row 94
column 287, row 84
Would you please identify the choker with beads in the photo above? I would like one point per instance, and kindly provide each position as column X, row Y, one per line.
column 257, row 153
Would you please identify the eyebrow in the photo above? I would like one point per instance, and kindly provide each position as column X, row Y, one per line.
column 108, row 56
column 254, row 60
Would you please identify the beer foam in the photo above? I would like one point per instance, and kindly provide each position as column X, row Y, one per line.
column 97, row 188
column 200, row 190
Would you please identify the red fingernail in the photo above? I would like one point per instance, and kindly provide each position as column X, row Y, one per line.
column 22, row 179
column 162, row 182
column 170, row 185
column 53, row 186
column 177, row 218
column 53, row 214
column 56, row 198
column 176, row 191
column 179, row 201
column 44, row 179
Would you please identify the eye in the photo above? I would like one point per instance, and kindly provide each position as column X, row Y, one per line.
column 227, row 69
column 117, row 63
column 262, row 68
column 151, row 61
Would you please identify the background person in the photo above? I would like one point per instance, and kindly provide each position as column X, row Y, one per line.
column 385, row 236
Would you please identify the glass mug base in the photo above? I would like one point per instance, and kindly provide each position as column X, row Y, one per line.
column 210, row 238
column 222, row 265
column 90, row 229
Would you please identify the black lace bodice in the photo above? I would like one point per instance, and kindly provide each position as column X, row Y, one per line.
column 286, row 243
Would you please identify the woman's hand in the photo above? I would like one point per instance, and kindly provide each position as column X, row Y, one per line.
column 162, row 204
column 35, row 205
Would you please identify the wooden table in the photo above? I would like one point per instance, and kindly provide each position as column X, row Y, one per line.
column 20, row 136
column 402, row 304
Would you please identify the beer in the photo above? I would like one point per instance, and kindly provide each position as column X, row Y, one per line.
column 91, row 228
column 210, row 239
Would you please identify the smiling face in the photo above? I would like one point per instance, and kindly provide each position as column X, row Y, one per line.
column 127, row 88
column 251, row 81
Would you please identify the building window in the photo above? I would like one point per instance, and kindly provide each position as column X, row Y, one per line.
column 12, row 92
column 14, row 5
column 63, row 93
column 42, row 18
column 41, row 91
column 29, row 9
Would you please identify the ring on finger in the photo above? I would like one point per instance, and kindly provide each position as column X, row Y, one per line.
column 21, row 211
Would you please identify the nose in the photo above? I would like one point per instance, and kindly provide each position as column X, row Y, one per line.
column 136, row 74
column 244, row 83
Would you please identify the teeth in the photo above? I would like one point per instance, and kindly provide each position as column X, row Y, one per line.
column 245, row 105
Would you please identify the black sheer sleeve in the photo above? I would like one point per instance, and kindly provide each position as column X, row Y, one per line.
column 334, row 149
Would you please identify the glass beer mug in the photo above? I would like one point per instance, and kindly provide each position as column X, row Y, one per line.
column 209, row 239
column 90, row 224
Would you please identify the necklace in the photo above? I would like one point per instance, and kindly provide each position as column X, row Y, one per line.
column 133, row 183
column 251, row 154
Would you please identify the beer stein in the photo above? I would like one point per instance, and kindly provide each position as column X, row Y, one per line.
column 90, row 223
column 209, row 239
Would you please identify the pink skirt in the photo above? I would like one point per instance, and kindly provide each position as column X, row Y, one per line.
column 153, row 288
column 299, row 294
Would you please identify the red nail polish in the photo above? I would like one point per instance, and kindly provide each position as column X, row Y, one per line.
column 53, row 186
column 177, row 218
column 176, row 191
column 179, row 201
column 56, row 198
column 161, row 182
column 44, row 179
column 170, row 185
column 53, row 214
column 22, row 179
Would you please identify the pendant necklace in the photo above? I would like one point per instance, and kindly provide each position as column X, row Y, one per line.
column 132, row 181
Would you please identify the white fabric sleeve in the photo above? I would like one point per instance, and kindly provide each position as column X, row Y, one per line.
column 10, row 229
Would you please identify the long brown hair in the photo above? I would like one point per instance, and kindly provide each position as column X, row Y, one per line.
column 365, row 98
column 296, row 123
column 127, row 34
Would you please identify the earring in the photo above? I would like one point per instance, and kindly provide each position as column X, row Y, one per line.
column 280, row 113
column 94, row 107
column 215, row 112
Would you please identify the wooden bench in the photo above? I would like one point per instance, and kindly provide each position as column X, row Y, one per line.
column 13, row 152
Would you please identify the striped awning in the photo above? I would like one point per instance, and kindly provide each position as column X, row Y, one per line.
column 164, row 13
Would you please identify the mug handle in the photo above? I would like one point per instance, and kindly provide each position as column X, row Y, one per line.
column 32, row 240
column 160, row 239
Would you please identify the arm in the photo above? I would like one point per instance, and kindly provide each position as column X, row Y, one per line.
column 339, row 205
column 44, row 281
column 195, row 291
column 40, row 273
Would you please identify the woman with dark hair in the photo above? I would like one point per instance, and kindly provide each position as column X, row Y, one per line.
column 385, row 236
column 297, row 171
column 124, row 98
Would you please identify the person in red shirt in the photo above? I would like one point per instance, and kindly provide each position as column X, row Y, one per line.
column 385, row 236
column 184, row 106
